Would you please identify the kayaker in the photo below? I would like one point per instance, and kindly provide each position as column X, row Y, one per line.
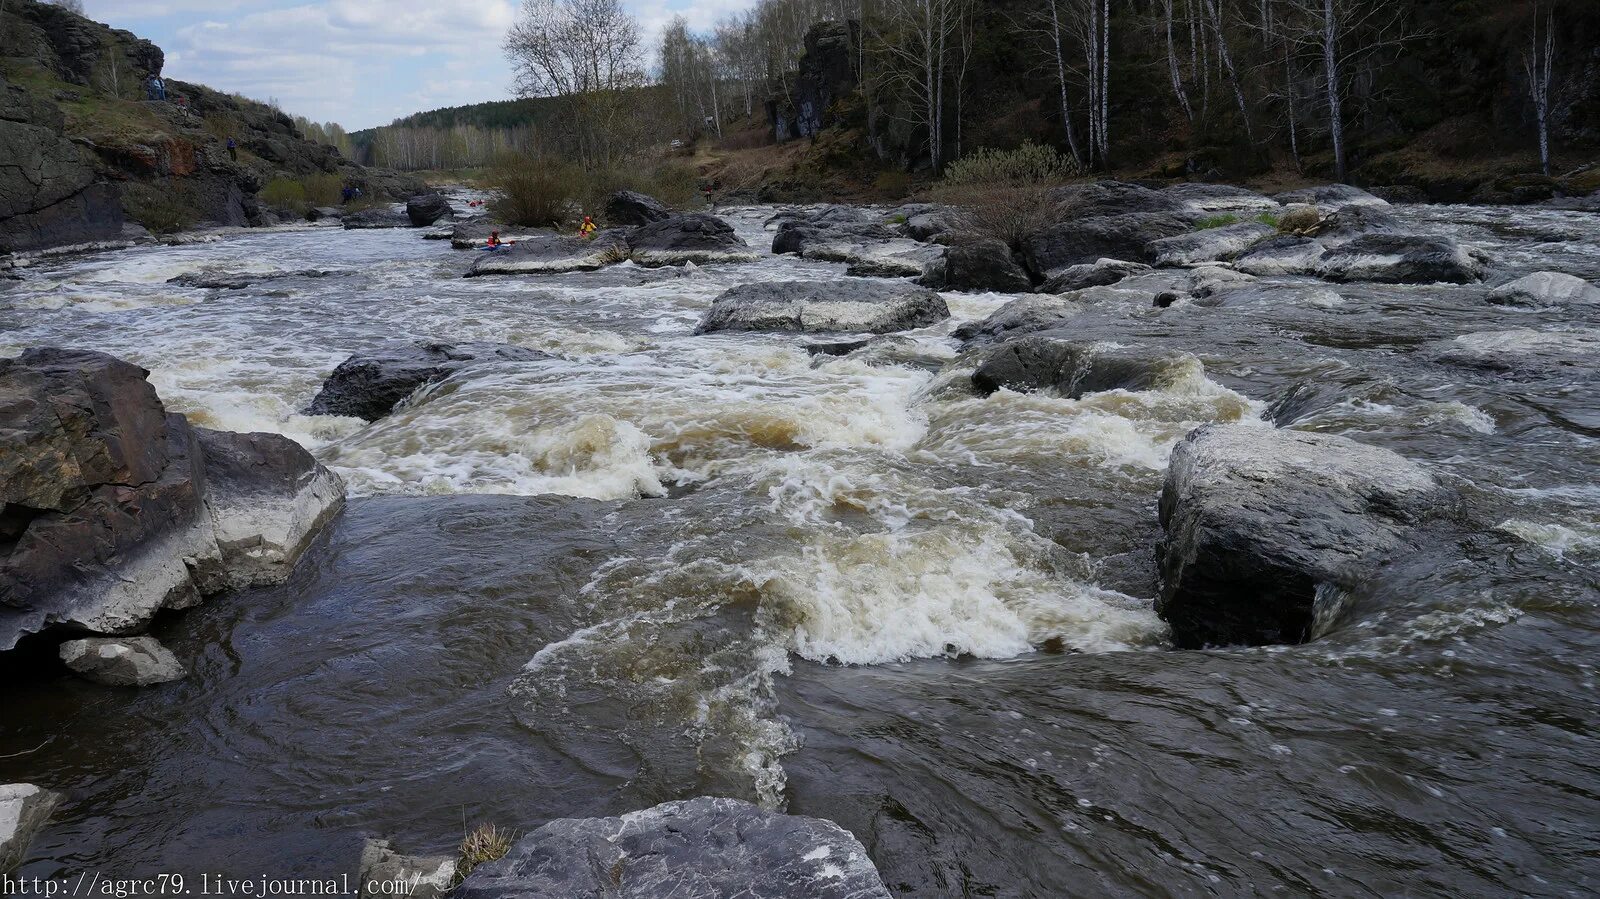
column 586, row 230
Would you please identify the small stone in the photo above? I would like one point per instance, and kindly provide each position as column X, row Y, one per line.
column 122, row 661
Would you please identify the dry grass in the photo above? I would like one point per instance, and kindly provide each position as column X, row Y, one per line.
column 483, row 844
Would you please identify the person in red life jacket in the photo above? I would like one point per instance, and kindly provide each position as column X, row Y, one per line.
column 494, row 241
column 586, row 230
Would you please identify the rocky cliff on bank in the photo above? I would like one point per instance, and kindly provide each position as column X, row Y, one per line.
column 86, row 152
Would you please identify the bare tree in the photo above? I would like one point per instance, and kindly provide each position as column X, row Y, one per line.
column 1539, row 63
column 916, row 52
column 587, row 53
column 1178, row 90
column 1342, row 32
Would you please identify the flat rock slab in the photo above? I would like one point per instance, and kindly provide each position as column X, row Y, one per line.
column 1331, row 195
column 824, row 306
column 370, row 385
column 1522, row 352
column 122, row 661
column 1077, row 368
column 376, row 218
column 241, row 280
column 1546, row 289
column 890, row 258
column 548, row 254
column 1099, row 273
column 1265, row 526
column 697, row 237
column 1378, row 257
column 1208, row 245
column 707, row 848
column 1221, row 198
column 24, row 809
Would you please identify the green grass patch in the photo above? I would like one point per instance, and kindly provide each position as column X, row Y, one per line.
column 1268, row 219
column 1216, row 221
column 486, row 843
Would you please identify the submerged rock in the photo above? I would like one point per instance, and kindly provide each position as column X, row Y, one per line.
column 240, row 280
column 984, row 265
column 1264, row 527
column 370, row 385
column 385, row 873
column 24, row 810
column 1401, row 259
column 122, row 661
column 627, row 209
column 1100, row 273
column 1077, row 368
column 1333, row 196
column 1022, row 316
column 425, row 210
column 547, row 254
column 818, row 306
column 695, row 237
column 111, row 515
column 1546, row 289
column 705, row 848
column 1523, row 352
column 1209, row 245
column 378, row 217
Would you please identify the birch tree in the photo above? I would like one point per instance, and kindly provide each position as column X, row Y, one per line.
column 1539, row 64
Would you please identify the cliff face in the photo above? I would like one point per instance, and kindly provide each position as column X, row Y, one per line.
column 83, row 152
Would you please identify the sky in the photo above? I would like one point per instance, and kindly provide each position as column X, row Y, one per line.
column 356, row 62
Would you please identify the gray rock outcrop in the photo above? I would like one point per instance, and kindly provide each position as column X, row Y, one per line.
column 1208, row 245
column 1027, row 315
column 425, row 210
column 376, row 217
column 707, row 848
column 629, row 209
column 695, row 237
column 1215, row 199
column 1546, row 289
column 549, row 254
column 820, row 307
column 1077, row 368
column 1077, row 240
column 24, row 810
column 370, row 385
column 1100, row 273
column 122, row 661
column 385, row 873
column 1264, row 527
column 984, row 265
column 1332, row 196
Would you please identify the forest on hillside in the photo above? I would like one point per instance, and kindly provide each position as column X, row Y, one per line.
column 1177, row 87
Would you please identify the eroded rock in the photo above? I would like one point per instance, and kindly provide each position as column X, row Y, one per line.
column 548, row 254
column 24, row 810
column 1076, row 368
column 370, row 385
column 819, row 307
column 706, row 848
column 1546, row 289
column 695, row 237
column 122, row 661
column 1264, row 527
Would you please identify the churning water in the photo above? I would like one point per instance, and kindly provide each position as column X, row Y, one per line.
column 662, row 565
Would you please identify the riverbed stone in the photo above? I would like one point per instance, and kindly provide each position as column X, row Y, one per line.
column 369, row 385
column 547, row 254
column 1546, row 289
column 1265, row 526
column 628, row 209
column 1075, row 368
column 1284, row 254
column 1332, row 196
column 425, row 210
column 122, row 661
column 1214, row 199
column 1027, row 315
column 1076, row 241
column 824, row 306
column 705, row 848
column 1208, row 245
column 24, row 810
column 1521, row 352
column 377, row 217
column 982, row 266
column 694, row 237
column 385, row 873
column 1098, row 273
column 1402, row 259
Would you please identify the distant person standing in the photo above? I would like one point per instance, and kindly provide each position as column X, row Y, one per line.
column 158, row 88
column 233, row 149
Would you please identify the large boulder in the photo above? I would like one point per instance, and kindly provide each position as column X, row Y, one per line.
column 697, row 849
column 1213, row 199
column 109, row 513
column 695, row 237
column 1099, row 273
column 984, row 265
column 370, row 385
column 1401, row 259
column 1075, row 368
column 1546, row 289
column 1099, row 199
column 546, row 254
column 1266, row 527
column 122, row 661
column 425, row 210
column 1207, row 245
column 1075, row 241
column 1284, row 254
column 824, row 306
column 24, row 809
column 1522, row 352
column 629, row 209
column 1026, row 315
column 385, row 873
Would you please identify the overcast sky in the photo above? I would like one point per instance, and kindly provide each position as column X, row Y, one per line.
column 356, row 62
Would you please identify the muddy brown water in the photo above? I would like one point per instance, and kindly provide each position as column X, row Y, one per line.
column 666, row 565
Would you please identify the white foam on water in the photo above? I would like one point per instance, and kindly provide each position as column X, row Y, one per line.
column 1578, row 538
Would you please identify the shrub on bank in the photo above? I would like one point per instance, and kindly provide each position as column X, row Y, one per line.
column 164, row 209
column 1004, row 194
column 300, row 194
column 534, row 192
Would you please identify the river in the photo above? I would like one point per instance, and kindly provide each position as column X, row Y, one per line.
column 664, row 565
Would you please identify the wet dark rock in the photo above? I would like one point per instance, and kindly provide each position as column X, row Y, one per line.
column 1208, row 245
column 836, row 348
column 628, row 209
column 1075, row 368
column 1100, row 199
column 927, row 226
column 122, row 661
column 376, row 218
column 1521, row 352
column 820, row 307
column 1215, row 199
column 1264, row 528
column 323, row 213
column 370, row 385
column 694, row 237
column 984, row 265
column 1027, row 315
column 1401, row 259
column 24, row 810
column 1333, row 196
column 1100, row 273
column 1076, row 241
column 1350, row 222
column 240, row 280
column 114, row 511
column 1546, row 289
column 1285, row 254
column 706, row 848
column 385, row 873
column 546, row 253
column 825, row 74
column 425, row 210
column 1400, row 194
